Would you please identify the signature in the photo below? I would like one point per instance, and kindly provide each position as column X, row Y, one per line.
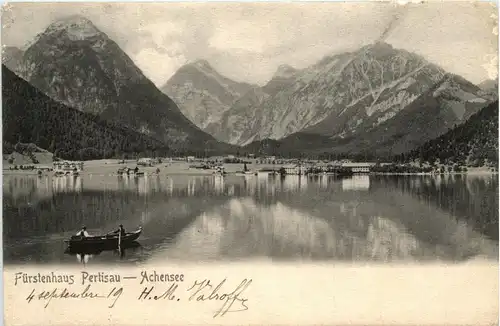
column 205, row 290
column 167, row 295
column 57, row 293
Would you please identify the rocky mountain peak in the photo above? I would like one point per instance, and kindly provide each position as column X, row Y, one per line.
column 203, row 94
column 202, row 64
column 342, row 95
column 489, row 84
column 381, row 51
column 381, row 46
column 76, row 27
column 489, row 88
column 284, row 71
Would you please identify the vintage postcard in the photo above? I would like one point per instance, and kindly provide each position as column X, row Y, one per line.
column 253, row 163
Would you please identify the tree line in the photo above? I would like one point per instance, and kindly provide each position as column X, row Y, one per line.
column 29, row 116
column 474, row 143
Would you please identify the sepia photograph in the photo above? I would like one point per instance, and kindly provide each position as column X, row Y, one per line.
column 265, row 133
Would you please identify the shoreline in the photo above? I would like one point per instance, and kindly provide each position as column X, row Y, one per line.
column 6, row 172
column 436, row 174
column 111, row 167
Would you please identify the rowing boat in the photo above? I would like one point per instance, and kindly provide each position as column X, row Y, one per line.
column 97, row 250
column 109, row 240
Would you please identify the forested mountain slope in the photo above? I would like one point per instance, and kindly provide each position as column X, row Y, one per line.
column 29, row 116
column 474, row 143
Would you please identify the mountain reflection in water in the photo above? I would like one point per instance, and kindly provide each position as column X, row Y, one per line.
column 363, row 218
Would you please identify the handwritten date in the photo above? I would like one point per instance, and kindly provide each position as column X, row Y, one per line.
column 65, row 294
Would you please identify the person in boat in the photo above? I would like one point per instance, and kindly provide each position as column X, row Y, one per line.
column 136, row 170
column 120, row 230
column 83, row 232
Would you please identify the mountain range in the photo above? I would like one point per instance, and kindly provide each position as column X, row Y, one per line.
column 450, row 102
column 378, row 99
column 74, row 63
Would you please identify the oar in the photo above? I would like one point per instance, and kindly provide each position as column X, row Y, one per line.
column 110, row 232
column 119, row 241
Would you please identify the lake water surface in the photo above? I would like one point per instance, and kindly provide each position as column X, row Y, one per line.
column 449, row 218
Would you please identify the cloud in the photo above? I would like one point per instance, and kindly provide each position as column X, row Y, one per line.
column 157, row 65
column 239, row 36
column 162, row 32
column 491, row 66
column 159, row 51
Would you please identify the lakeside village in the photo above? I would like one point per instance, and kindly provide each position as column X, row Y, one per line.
column 248, row 165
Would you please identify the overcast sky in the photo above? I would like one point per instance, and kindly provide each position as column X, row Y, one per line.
column 248, row 41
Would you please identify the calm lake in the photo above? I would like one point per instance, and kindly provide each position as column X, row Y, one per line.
column 198, row 218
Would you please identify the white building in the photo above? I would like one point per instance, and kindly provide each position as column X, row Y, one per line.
column 290, row 169
column 358, row 167
column 67, row 166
